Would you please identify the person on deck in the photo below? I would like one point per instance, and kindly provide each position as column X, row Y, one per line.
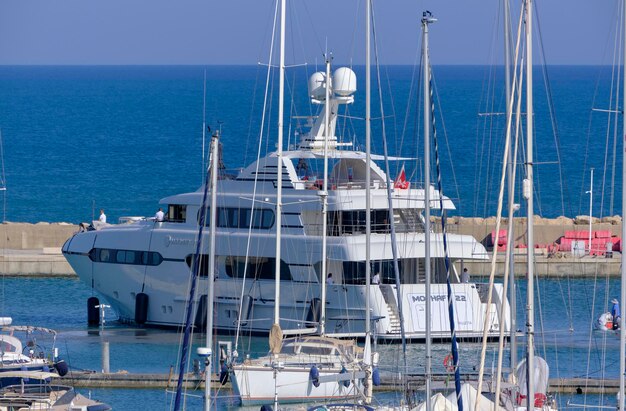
column 103, row 217
column 615, row 312
column 159, row 216
column 329, row 279
column 376, row 279
column 465, row 276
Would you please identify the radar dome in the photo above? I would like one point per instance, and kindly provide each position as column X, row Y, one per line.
column 317, row 85
column 344, row 81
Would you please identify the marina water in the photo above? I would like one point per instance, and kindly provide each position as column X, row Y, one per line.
column 567, row 308
column 77, row 139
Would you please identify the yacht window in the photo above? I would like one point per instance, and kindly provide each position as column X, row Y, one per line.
column 263, row 219
column 121, row 256
column 107, row 255
column 232, row 217
column 353, row 222
column 176, row 213
column 104, row 256
column 260, row 268
column 354, row 271
column 203, row 269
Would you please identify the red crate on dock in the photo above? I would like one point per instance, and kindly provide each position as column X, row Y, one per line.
column 602, row 234
column 577, row 235
column 598, row 246
column 565, row 244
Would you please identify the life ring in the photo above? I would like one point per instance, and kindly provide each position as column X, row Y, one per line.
column 448, row 363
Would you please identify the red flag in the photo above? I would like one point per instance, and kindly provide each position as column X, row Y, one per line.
column 401, row 182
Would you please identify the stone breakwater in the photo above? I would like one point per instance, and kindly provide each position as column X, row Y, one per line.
column 547, row 230
column 35, row 249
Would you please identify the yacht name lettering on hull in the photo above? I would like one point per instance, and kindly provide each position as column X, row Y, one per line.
column 463, row 310
column 420, row 298
column 169, row 240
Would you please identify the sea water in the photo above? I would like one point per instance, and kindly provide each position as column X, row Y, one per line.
column 566, row 309
column 78, row 139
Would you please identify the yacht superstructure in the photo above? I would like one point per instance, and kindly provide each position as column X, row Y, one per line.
column 153, row 258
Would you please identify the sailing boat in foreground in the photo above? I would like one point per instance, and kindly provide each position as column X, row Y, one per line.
column 305, row 368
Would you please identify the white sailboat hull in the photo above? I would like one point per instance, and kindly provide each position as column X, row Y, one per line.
column 256, row 385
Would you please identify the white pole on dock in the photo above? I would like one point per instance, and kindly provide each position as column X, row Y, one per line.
column 622, row 328
column 106, row 369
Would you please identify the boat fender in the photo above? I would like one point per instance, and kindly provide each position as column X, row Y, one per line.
column 61, row 367
column 201, row 311
column 224, row 374
column 345, row 383
column 375, row 377
column 93, row 313
column 141, row 308
column 314, row 376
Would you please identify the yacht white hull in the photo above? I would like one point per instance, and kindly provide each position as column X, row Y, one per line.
column 153, row 258
column 166, row 286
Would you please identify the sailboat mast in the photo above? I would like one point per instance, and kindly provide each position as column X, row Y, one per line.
column 507, row 83
column 622, row 330
column 213, row 274
column 324, row 195
column 590, row 209
column 279, row 157
column 368, row 176
column 203, row 125
column 528, row 194
column 426, row 20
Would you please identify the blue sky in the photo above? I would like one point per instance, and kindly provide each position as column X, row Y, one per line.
column 237, row 31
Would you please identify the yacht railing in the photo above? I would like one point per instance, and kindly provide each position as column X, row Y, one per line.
column 313, row 183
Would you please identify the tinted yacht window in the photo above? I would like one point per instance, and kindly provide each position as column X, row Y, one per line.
column 133, row 257
column 231, row 217
column 176, row 213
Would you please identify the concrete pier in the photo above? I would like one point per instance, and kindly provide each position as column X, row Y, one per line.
column 88, row 379
column 35, row 249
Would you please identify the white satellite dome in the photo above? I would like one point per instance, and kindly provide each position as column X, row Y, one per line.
column 344, row 81
column 317, row 85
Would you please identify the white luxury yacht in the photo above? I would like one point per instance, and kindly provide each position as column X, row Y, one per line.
column 142, row 267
